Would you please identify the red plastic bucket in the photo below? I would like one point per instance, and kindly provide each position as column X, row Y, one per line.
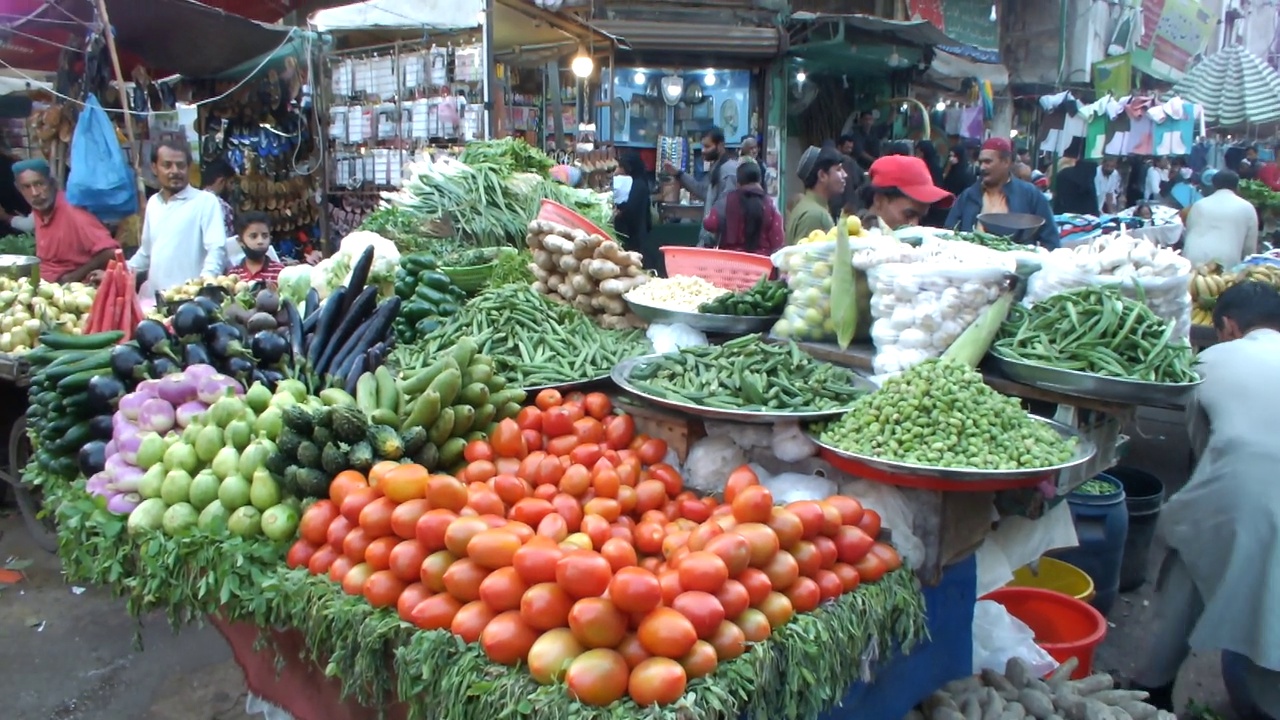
column 1064, row 626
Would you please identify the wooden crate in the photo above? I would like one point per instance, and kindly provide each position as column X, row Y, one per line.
column 678, row 430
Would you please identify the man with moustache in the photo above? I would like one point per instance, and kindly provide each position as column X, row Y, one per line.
column 720, row 178
column 998, row 191
column 183, row 233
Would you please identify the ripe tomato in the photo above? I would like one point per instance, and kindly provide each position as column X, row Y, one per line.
column 553, row 526
column 635, row 590
column 588, row 430
column 598, row 405
column 830, row 584
column 478, row 472
column 757, row 584
column 548, row 398
column 340, row 567
column 508, row 441
column 652, row 452
column 353, row 581
column 740, row 478
column 850, row 509
column 597, row 623
column 344, row 484
column 852, row 544
column 478, row 450
column 574, row 408
column 460, row 532
column 848, row 576
column 507, row 639
column 546, row 606
column 650, row 495
column 446, row 493
column 754, row 625
column 532, row 439
column 471, row 620
column 701, row 535
column 503, row 590
column 575, row 480
column 669, row 476
column 405, row 516
column 657, row 681
column 694, row 509
column 530, row 511
column 409, row 599
column 378, row 554
column 551, row 655
column 729, row 641
column 830, row 518
column 887, row 555
column 787, row 526
column 568, row 507
column 519, row 529
column 870, row 568
column 316, row 520
column 665, row 632
column 649, row 538
column 700, row 661
column 404, row 483
column 619, row 430
column 805, row 594
column 811, row 517
column 562, row 446
column 702, row 609
column 433, row 569
column 528, row 467
column 753, row 504
column 462, row 579
column 493, row 549
column 356, row 543
column 734, row 598
column 584, row 573
column 626, row 499
column 382, row 588
column 556, row 422
column 632, row 651
column 530, row 418
column 597, row 677
column 510, row 489
column 703, row 571
column 669, row 579
column 762, row 541
column 870, row 523
column 605, row 480
column 300, row 554
column 379, row 471
column 778, row 608
column 356, row 500
column 827, row 549
column 619, row 553
column 603, row 507
column 586, row 454
column 375, row 517
column 807, row 557
column 733, row 549
column 783, row 570
column 337, row 532
column 431, row 528
column 322, row 559
column 436, row 612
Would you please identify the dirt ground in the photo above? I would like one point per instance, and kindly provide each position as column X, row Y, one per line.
column 69, row 652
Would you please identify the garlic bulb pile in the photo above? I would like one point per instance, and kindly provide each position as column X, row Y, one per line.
column 1122, row 255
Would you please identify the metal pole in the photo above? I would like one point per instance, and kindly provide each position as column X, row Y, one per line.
column 124, row 98
column 489, row 69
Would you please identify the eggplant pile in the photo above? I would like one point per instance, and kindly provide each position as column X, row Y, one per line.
column 346, row 335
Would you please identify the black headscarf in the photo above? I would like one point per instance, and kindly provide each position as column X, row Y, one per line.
column 929, row 154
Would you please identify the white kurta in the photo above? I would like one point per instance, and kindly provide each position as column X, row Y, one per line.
column 1221, row 227
column 183, row 238
column 1226, row 522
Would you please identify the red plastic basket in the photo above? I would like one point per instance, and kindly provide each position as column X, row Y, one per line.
column 728, row 269
column 552, row 211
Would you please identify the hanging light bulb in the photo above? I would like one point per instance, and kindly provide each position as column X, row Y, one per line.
column 710, row 78
column 638, row 78
column 582, row 64
column 940, row 106
column 993, row 13
column 894, row 59
column 800, row 76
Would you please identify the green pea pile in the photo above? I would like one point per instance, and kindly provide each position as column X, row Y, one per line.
column 941, row 414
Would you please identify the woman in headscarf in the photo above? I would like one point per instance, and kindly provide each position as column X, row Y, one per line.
column 900, row 192
column 928, row 154
column 746, row 220
column 958, row 174
column 632, row 218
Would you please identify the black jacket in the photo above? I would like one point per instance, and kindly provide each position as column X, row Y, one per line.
column 1074, row 190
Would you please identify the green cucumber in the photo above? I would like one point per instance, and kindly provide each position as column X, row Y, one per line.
column 96, row 341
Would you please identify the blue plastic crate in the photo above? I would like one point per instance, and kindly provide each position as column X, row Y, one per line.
column 903, row 681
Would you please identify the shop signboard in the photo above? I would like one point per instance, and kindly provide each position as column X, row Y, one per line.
column 1173, row 33
column 968, row 22
column 1113, row 76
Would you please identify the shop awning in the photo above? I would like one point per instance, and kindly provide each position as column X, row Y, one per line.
column 805, row 27
column 1235, row 87
column 721, row 40
column 950, row 71
column 400, row 15
column 180, row 36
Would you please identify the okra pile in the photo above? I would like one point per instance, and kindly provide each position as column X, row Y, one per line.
column 750, row 375
column 940, row 413
column 1097, row 330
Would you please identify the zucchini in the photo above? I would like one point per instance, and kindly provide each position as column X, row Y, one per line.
column 98, row 361
column 78, row 435
column 96, row 341
column 73, row 384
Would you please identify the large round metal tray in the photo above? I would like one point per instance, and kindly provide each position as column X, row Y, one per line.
column 622, row 377
column 1098, row 387
column 1085, row 449
column 720, row 324
column 567, row 385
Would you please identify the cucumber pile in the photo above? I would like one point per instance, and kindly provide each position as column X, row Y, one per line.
column 767, row 297
column 73, row 395
column 426, row 294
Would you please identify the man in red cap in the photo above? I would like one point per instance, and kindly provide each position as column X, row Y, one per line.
column 901, row 191
column 997, row 191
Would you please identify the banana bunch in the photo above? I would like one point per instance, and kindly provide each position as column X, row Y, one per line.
column 852, row 224
column 1207, row 283
column 1269, row 274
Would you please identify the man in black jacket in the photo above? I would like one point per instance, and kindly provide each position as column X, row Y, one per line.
column 1075, row 190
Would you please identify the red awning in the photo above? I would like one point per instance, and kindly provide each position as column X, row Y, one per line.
column 179, row 36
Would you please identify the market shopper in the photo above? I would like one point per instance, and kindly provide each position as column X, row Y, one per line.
column 745, row 220
column 719, row 179
column 71, row 243
column 855, row 176
column 901, row 192
column 1106, row 185
column 866, row 139
column 1075, row 189
column 216, row 179
column 959, row 171
column 1223, row 227
column 1157, row 176
column 1217, row 588
column 183, row 233
column 632, row 217
column 997, row 191
column 822, row 172
column 254, row 237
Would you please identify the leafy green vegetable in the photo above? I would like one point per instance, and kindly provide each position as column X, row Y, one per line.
column 18, row 245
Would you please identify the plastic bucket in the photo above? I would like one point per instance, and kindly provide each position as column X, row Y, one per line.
column 1102, row 524
column 1064, row 626
column 1143, row 496
column 1057, row 576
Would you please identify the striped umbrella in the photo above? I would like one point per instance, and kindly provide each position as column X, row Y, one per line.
column 1235, row 87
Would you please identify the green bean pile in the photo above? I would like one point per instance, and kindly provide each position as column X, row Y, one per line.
column 532, row 340
column 1096, row 486
column 1098, row 331
column 941, row 414
column 999, row 243
column 750, row 375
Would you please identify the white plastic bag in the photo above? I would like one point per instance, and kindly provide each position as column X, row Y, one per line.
column 790, row 444
column 670, row 338
column 747, row 436
column 921, row 308
column 710, row 460
column 808, row 271
column 793, row 487
column 998, row 637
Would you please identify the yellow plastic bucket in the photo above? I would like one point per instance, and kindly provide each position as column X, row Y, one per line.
column 1057, row 576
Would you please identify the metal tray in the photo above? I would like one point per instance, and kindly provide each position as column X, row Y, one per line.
column 1098, row 387
column 1085, row 449
column 567, row 385
column 720, row 324
column 622, row 377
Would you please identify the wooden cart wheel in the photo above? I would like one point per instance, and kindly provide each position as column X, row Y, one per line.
column 30, row 500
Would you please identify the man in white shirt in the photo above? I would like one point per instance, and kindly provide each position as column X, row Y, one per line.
column 183, row 233
column 1222, row 227
column 1107, row 184
column 1157, row 176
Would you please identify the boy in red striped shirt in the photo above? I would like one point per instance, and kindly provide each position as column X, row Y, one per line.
column 255, row 240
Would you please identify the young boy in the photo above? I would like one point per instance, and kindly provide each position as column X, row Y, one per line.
column 255, row 242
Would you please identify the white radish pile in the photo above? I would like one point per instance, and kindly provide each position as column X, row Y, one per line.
column 590, row 272
column 1018, row 695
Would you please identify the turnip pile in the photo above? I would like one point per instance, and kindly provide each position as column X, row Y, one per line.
column 1018, row 695
column 590, row 272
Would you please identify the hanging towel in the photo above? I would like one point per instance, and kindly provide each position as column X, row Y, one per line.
column 973, row 125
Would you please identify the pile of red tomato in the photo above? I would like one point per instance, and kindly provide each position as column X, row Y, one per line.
column 568, row 545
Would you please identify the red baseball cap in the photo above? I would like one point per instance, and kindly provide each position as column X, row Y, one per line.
column 911, row 176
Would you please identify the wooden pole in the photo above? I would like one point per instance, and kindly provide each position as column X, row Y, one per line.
column 135, row 150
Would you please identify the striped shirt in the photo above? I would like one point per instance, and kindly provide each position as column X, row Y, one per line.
column 268, row 274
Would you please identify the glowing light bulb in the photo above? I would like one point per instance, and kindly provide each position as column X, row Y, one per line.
column 582, row 66
column 800, row 76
